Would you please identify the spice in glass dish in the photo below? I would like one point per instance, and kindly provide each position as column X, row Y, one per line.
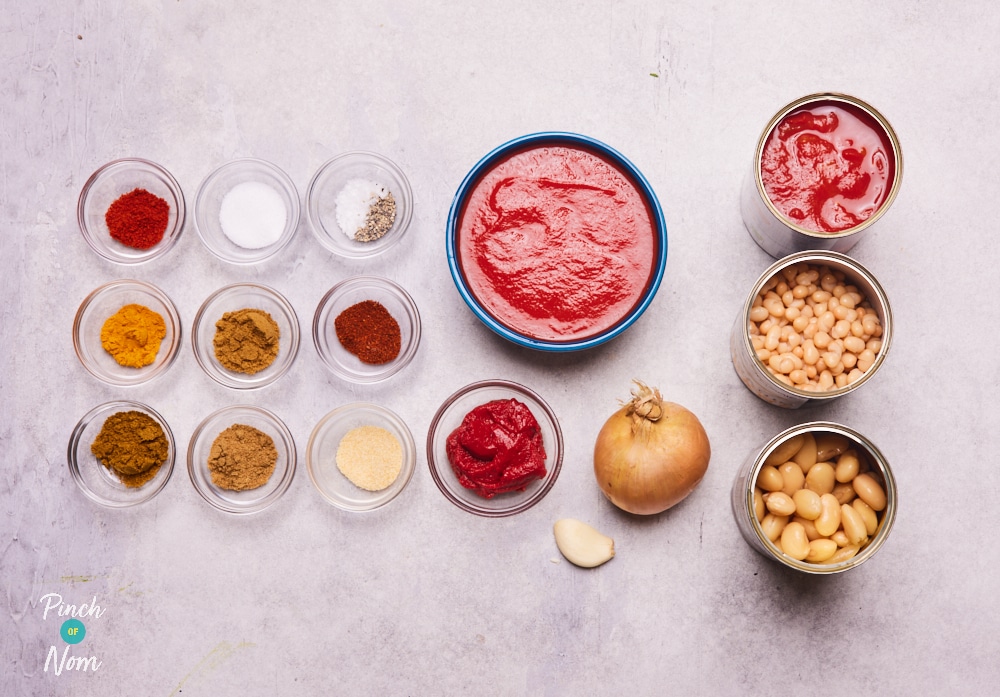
column 253, row 215
column 366, row 210
column 241, row 458
column 138, row 219
column 246, row 341
column 497, row 448
column 132, row 446
column 133, row 335
column 371, row 457
column 369, row 331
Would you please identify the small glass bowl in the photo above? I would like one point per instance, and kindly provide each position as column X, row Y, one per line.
column 95, row 480
column 252, row 500
column 114, row 179
column 239, row 296
column 209, row 202
column 450, row 416
column 345, row 294
column 106, row 301
column 321, row 456
column 330, row 179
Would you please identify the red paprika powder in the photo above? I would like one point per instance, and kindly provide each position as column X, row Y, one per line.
column 138, row 219
column 367, row 330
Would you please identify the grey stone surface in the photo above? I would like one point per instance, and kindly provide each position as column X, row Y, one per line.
column 421, row 598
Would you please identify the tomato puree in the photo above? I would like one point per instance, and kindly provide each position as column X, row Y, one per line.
column 828, row 167
column 557, row 243
column 497, row 448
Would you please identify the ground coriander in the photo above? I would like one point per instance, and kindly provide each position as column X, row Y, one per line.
column 242, row 458
column 246, row 341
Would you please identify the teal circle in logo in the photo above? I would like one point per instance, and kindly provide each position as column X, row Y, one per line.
column 73, row 631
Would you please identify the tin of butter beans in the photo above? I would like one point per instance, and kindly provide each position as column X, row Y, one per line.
column 752, row 518
column 785, row 388
column 847, row 157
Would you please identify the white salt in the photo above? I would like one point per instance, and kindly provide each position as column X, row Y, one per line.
column 353, row 203
column 253, row 215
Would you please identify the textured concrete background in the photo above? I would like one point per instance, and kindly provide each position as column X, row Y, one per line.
column 421, row 598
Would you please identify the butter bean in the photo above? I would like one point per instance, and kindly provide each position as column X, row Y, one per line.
column 784, row 452
column 854, row 344
column 843, row 554
column 810, row 527
column 869, row 490
column 867, row 514
column 792, row 477
column 865, row 360
column 844, row 492
column 821, row 550
column 820, row 478
column 854, row 525
column 770, row 479
column 806, row 455
column 794, row 542
column 854, row 376
column 773, row 525
column 848, row 466
column 780, row 503
column 807, row 504
column 758, row 314
column 829, row 516
column 840, row 537
column 830, row 445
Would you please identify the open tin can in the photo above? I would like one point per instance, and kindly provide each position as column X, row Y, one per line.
column 771, row 385
column 850, row 183
column 752, row 518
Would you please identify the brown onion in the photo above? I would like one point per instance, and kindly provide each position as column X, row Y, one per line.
column 650, row 454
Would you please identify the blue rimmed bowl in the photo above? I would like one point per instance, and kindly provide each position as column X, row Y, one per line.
column 558, row 333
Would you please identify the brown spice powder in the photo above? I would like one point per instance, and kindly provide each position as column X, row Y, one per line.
column 242, row 458
column 133, row 446
column 246, row 341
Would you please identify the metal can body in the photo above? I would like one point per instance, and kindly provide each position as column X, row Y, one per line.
column 778, row 235
column 745, row 482
column 758, row 379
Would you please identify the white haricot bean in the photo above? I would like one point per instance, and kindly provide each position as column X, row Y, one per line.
column 824, row 322
column 816, row 498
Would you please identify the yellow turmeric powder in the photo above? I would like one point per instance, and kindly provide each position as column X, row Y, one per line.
column 133, row 334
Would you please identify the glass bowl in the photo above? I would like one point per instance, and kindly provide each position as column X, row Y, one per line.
column 251, row 500
column 321, row 455
column 520, row 334
column 96, row 481
column 209, row 202
column 449, row 416
column 106, row 301
column 355, row 290
column 239, row 296
column 114, row 179
column 330, row 180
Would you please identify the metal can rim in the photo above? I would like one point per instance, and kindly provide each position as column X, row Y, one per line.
column 868, row 109
column 878, row 460
column 817, row 256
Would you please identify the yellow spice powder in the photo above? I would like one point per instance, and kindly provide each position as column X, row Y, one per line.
column 370, row 457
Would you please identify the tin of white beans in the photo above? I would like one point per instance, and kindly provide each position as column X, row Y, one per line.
column 743, row 494
column 777, row 389
column 837, row 175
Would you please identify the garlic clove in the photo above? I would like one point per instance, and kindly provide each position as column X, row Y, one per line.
column 581, row 544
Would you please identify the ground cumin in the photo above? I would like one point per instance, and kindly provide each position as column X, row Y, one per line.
column 246, row 341
column 133, row 335
column 132, row 445
column 242, row 458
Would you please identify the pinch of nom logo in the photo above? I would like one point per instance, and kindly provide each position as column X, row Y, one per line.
column 72, row 631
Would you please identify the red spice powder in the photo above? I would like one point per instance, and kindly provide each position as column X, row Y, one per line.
column 138, row 219
column 367, row 330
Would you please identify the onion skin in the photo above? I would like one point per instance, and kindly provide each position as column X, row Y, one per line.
column 648, row 460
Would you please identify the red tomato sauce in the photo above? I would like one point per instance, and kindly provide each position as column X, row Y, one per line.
column 497, row 448
column 557, row 243
column 828, row 167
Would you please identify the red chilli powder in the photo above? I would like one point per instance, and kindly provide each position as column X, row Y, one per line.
column 369, row 331
column 138, row 219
